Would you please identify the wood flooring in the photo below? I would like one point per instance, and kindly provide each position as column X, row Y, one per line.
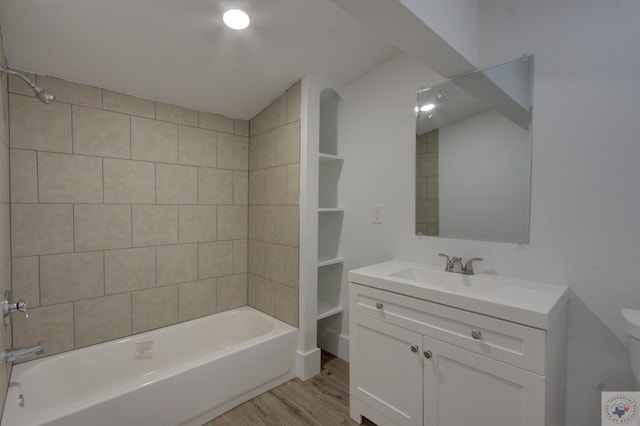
column 321, row 401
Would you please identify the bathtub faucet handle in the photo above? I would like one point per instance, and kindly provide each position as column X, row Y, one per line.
column 8, row 307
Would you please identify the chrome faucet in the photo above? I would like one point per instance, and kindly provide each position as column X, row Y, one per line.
column 8, row 307
column 15, row 354
column 467, row 269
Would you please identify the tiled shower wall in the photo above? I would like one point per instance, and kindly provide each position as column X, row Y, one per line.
column 274, row 192
column 126, row 214
column 5, row 227
column 427, row 199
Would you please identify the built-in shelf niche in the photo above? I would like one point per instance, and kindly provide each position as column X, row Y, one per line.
column 329, row 283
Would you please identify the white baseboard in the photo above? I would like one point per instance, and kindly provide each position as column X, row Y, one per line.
column 307, row 364
column 334, row 343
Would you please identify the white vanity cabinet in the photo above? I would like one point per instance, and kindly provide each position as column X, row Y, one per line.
column 415, row 362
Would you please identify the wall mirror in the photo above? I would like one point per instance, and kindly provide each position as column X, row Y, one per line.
column 473, row 155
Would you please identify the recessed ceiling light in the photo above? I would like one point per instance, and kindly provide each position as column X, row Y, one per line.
column 236, row 19
column 427, row 107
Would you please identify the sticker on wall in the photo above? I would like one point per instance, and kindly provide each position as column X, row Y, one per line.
column 620, row 408
column 144, row 350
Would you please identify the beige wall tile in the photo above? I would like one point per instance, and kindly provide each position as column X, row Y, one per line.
column 72, row 93
column 293, row 184
column 196, row 147
column 421, row 187
column 64, row 178
column 103, row 133
column 5, row 175
column 127, row 182
column 101, row 319
column 286, row 304
column 176, row 114
column 215, row 186
column 265, row 223
column 176, row 264
column 288, row 144
column 264, row 149
column 233, row 152
column 276, row 192
column 196, row 299
column 126, row 104
column 52, row 325
column 232, row 292
column 69, row 277
column 265, row 295
column 41, row 229
column 155, row 225
column 232, row 222
column 251, row 290
column 5, row 234
column 293, row 101
column 153, row 140
column 99, row 227
column 34, row 125
column 215, row 259
column 240, row 187
column 176, row 184
column 287, row 225
column 275, row 262
column 241, row 127
column 277, row 112
column 292, row 271
column 154, row 308
column 25, row 280
column 258, row 124
column 239, row 256
column 197, row 223
column 129, row 269
column 24, row 176
column 258, row 187
column 18, row 85
column 256, row 257
column 215, row 122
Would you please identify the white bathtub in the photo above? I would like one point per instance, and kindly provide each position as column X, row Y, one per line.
column 185, row 374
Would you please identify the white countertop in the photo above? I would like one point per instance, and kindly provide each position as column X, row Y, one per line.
column 530, row 303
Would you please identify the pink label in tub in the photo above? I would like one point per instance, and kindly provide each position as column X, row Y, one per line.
column 144, row 350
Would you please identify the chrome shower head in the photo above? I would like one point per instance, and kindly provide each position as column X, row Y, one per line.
column 43, row 94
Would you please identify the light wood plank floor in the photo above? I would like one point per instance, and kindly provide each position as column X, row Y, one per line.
column 322, row 401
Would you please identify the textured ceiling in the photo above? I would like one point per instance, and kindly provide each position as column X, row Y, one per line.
column 180, row 52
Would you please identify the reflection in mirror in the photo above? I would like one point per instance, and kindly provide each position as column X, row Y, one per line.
column 473, row 155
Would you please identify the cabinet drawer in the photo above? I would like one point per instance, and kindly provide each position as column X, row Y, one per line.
column 504, row 341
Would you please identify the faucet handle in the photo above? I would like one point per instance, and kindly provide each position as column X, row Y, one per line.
column 446, row 266
column 468, row 267
column 21, row 306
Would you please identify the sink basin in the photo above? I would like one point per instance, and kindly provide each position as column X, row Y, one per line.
column 450, row 281
column 531, row 303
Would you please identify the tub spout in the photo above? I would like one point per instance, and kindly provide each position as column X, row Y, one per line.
column 15, row 354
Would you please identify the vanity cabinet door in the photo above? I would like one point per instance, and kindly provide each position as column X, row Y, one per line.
column 386, row 369
column 464, row 388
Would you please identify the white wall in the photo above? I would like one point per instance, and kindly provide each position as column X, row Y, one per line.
column 484, row 179
column 585, row 216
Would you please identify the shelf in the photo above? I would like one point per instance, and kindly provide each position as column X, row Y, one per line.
column 332, row 261
column 325, row 310
column 331, row 210
column 329, row 157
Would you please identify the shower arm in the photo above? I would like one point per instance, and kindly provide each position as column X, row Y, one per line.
column 13, row 72
column 43, row 94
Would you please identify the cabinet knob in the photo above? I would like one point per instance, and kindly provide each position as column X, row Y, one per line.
column 476, row 334
column 427, row 354
column 379, row 305
column 414, row 348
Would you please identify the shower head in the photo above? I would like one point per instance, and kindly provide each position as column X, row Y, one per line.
column 43, row 94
